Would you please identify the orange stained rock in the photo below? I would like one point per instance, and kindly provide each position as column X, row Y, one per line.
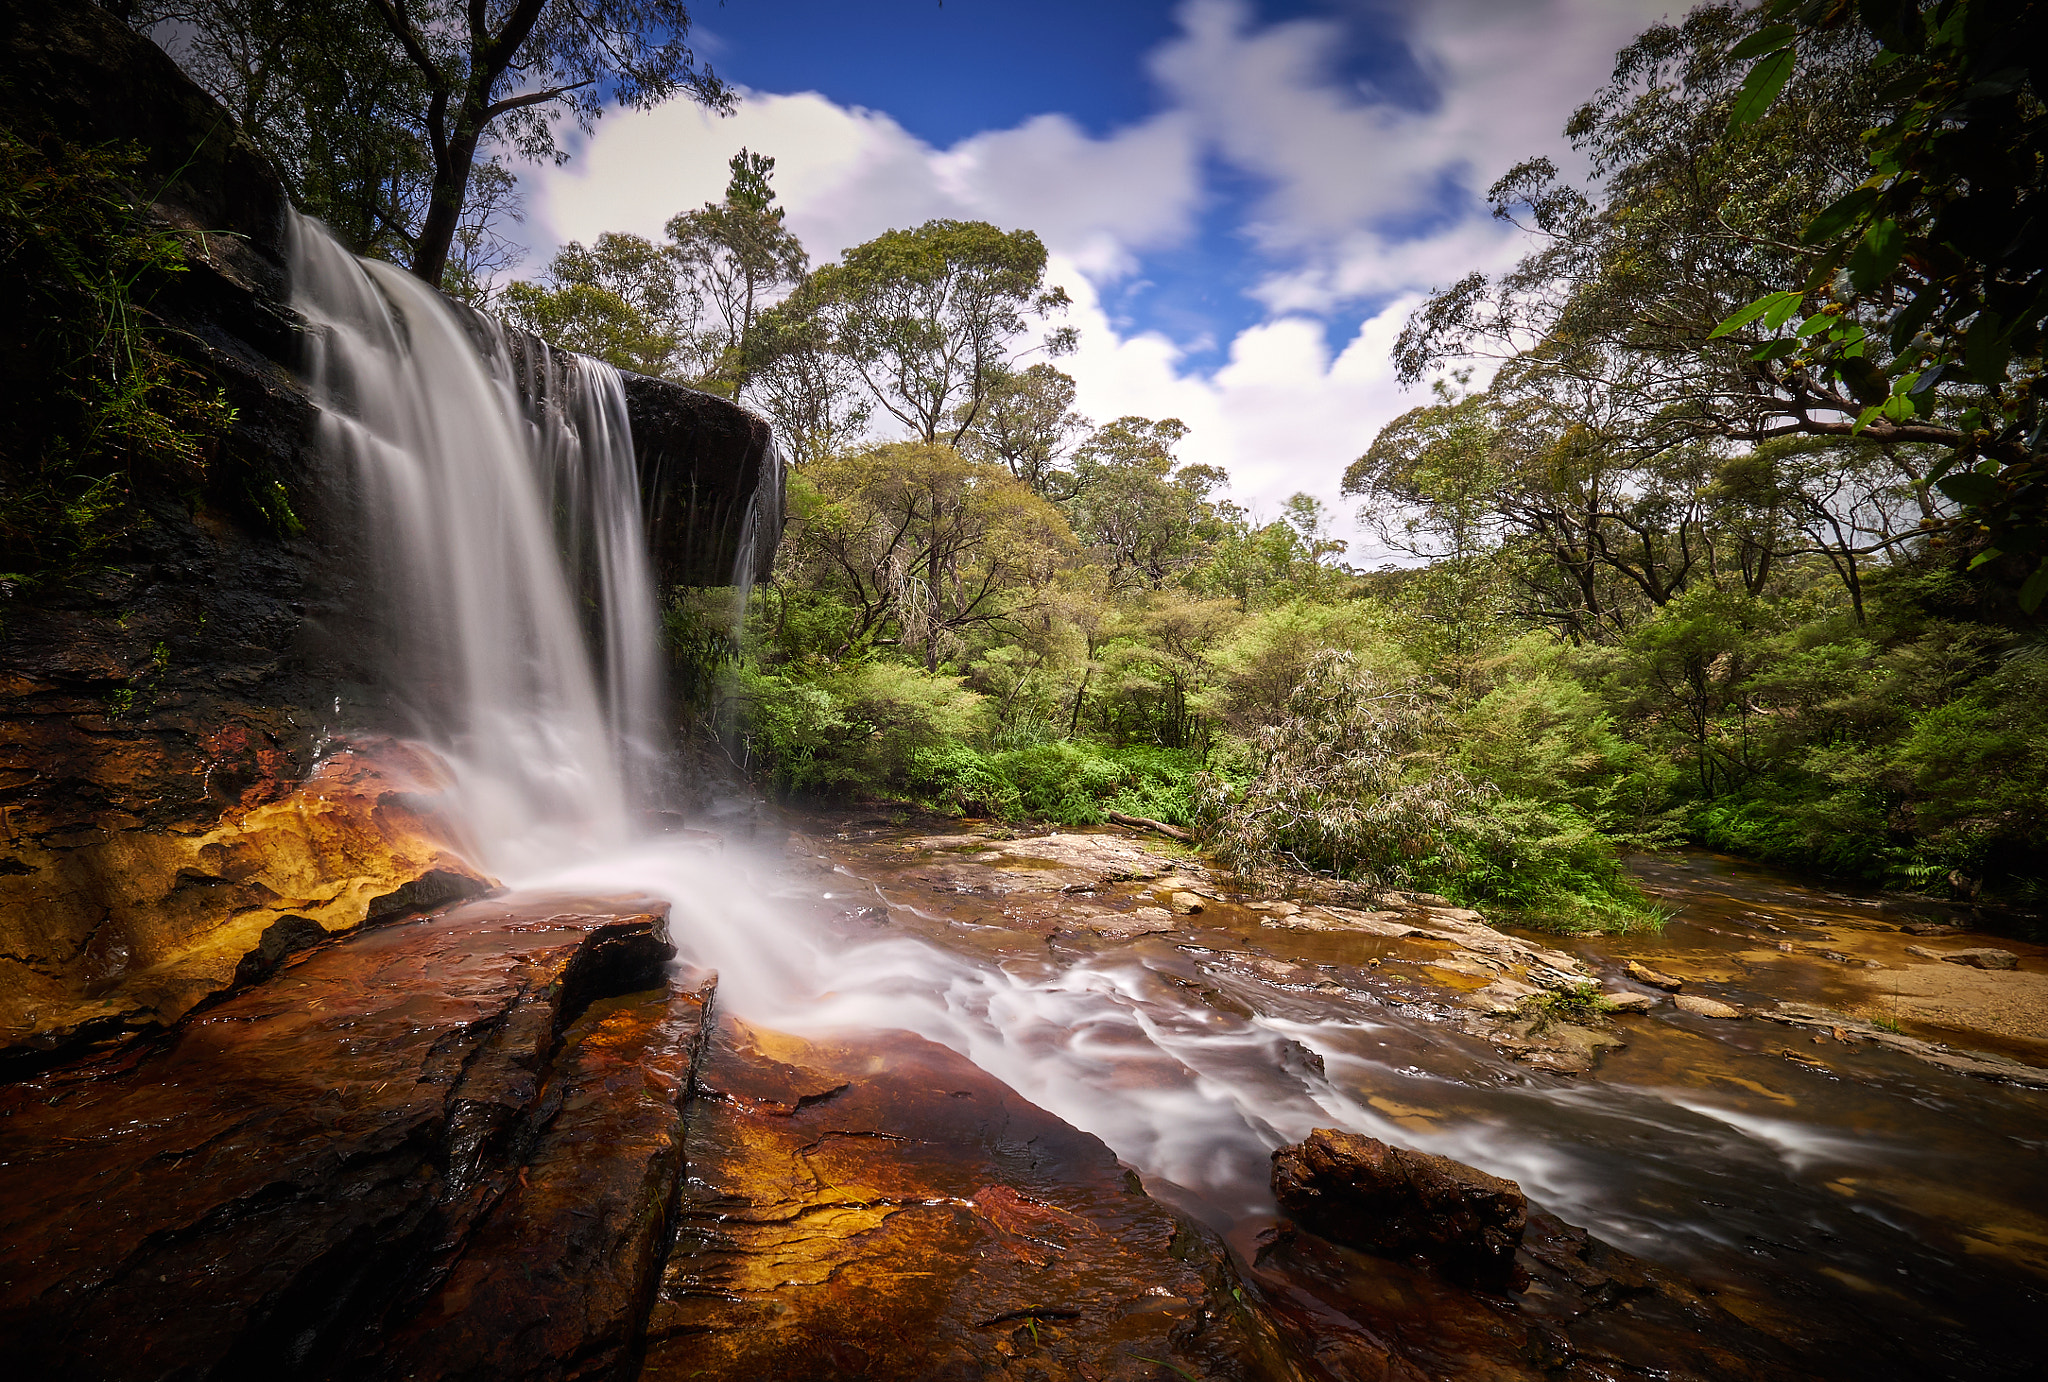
column 878, row 1207
column 131, row 927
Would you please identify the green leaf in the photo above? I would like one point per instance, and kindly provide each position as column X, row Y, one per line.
column 1986, row 349
column 1877, row 255
column 1764, row 40
column 1988, row 554
column 1830, row 222
column 1742, row 317
column 1864, row 418
column 1908, row 323
column 2035, row 588
column 1781, row 311
column 1968, row 487
column 1819, row 321
column 1774, row 350
column 1760, row 88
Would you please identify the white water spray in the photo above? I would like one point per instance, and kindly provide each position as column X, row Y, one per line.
column 501, row 496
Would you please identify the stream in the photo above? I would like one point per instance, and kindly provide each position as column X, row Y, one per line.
column 1881, row 1216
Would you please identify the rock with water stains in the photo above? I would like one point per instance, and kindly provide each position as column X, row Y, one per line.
column 1983, row 958
column 1386, row 1200
column 1183, row 904
column 128, row 932
column 880, row 1208
column 1628, row 1002
column 443, row 1148
column 1643, row 974
column 1550, row 1043
column 1590, row 1312
column 1700, row 1006
column 1930, row 928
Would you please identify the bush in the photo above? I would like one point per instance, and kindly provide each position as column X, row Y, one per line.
column 869, row 726
column 1546, row 865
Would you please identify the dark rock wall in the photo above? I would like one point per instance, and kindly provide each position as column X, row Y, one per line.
column 160, row 716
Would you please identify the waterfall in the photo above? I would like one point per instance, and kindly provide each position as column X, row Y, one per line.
column 510, row 566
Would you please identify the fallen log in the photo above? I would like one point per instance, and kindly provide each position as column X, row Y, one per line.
column 1170, row 831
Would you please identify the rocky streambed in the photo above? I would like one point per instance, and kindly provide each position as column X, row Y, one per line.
column 519, row 1137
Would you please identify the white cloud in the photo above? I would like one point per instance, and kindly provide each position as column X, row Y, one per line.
column 847, row 175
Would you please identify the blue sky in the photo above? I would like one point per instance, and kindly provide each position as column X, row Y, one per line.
column 1244, row 197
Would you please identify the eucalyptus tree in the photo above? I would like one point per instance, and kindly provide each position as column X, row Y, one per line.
column 1145, row 516
column 920, row 544
column 1624, row 398
column 811, row 393
column 618, row 299
column 1942, row 248
column 738, row 258
column 1028, row 423
column 929, row 318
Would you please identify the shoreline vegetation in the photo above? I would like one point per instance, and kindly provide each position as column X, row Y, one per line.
column 1719, row 524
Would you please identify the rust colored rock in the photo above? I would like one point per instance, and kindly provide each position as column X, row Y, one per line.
column 107, row 936
column 1364, row 1194
column 443, row 1148
column 880, row 1208
column 1591, row 1311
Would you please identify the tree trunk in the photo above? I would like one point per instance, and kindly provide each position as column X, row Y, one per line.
column 444, row 208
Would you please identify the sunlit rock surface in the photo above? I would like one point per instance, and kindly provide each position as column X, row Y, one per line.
column 108, row 929
column 880, row 1208
column 445, row 1148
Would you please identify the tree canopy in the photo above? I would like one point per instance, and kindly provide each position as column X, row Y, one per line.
column 380, row 110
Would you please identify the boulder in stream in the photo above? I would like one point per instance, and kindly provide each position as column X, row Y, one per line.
column 1983, row 958
column 1392, row 1202
column 1643, row 974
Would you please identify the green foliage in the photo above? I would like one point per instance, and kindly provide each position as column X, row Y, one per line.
column 380, row 111
column 1344, row 782
column 1940, row 245
column 824, row 729
column 95, row 400
column 1578, row 1003
column 926, row 317
column 1542, row 864
column 589, row 320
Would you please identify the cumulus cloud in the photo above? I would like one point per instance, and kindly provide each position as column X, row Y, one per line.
column 1361, row 203
column 847, row 175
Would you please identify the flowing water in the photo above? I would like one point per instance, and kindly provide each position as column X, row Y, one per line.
column 501, row 488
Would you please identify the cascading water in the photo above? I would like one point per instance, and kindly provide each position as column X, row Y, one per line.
column 501, row 501
column 502, row 496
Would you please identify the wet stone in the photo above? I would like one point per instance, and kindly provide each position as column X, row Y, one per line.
column 881, row 1208
column 441, row 1148
column 1983, row 958
column 1704, row 1007
column 1364, row 1194
column 1643, row 974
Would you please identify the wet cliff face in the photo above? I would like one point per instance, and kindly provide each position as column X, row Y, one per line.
column 169, row 787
